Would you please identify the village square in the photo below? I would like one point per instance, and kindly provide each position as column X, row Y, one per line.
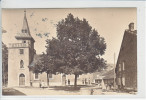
column 75, row 59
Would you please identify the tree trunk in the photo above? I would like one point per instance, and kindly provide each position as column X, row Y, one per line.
column 3, row 75
column 75, row 82
column 47, row 78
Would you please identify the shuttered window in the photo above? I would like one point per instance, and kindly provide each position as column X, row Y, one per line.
column 123, row 67
column 119, row 67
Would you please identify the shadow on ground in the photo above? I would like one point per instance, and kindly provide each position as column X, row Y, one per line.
column 10, row 91
column 68, row 88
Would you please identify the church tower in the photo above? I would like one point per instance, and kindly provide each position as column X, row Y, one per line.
column 20, row 55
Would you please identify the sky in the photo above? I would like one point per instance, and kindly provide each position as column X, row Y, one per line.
column 109, row 22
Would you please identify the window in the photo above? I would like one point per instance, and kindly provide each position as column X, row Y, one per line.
column 24, row 31
column 50, row 75
column 21, row 64
column 119, row 67
column 123, row 66
column 123, row 81
column 21, row 51
column 36, row 76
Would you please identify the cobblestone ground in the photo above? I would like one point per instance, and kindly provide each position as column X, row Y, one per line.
column 50, row 91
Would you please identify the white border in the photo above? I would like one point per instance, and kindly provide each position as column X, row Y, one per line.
column 90, row 4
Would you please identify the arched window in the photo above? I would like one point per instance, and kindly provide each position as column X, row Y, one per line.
column 21, row 64
column 21, row 75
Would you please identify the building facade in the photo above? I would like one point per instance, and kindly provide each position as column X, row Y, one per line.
column 20, row 55
column 126, row 67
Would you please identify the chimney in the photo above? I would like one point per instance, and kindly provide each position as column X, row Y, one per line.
column 131, row 27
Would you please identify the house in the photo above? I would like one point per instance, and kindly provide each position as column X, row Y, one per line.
column 109, row 79
column 21, row 59
column 105, row 77
column 126, row 67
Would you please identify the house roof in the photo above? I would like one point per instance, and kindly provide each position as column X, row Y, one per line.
column 128, row 50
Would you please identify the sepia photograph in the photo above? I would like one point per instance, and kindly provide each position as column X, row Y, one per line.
column 69, row 51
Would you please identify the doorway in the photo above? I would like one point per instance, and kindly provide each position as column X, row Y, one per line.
column 64, row 82
column 21, row 80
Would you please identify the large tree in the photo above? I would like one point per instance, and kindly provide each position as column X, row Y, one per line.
column 44, row 64
column 4, row 63
column 77, row 49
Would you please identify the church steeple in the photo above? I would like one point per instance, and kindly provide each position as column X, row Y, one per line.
column 25, row 32
column 25, row 28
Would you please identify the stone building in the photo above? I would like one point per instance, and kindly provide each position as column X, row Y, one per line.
column 126, row 67
column 21, row 56
column 58, row 79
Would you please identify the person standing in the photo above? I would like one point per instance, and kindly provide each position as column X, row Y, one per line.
column 31, row 83
column 43, row 84
column 68, row 81
column 83, row 81
column 92, row 91
column 40, row 84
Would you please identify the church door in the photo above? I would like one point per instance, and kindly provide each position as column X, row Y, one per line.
column 64, row 81
column 22, row 80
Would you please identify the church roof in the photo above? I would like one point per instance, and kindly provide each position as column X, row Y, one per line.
column 25, row 32
column 36, row 58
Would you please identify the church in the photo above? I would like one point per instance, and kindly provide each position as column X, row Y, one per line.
column 22, row 55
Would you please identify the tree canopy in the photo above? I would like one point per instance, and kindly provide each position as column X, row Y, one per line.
column 77, row 49
column 44, row 64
